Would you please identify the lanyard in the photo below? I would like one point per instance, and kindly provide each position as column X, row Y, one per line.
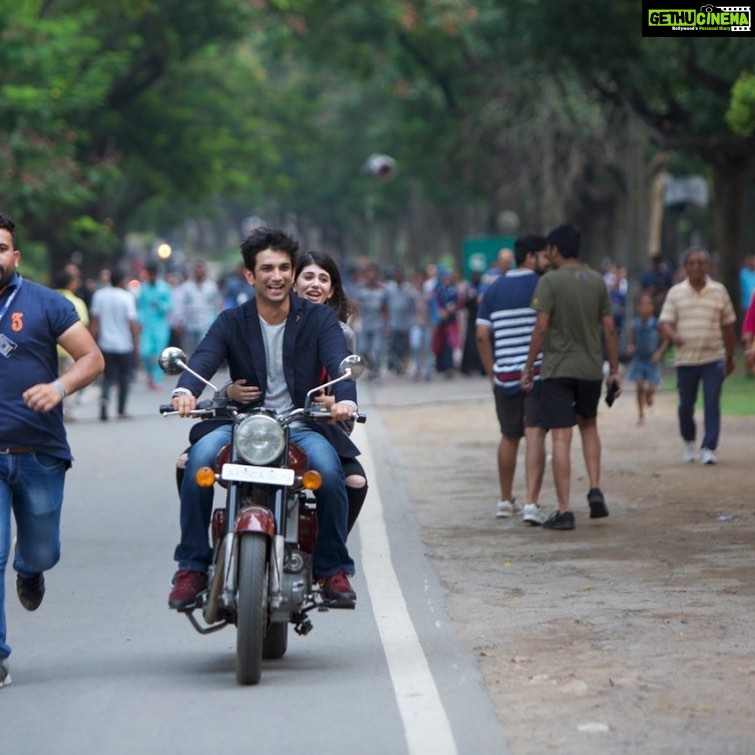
column 10, row 299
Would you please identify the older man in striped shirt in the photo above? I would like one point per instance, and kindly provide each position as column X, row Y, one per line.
column 698, row 318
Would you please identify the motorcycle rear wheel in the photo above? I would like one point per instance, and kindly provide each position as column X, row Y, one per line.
column 276, row 641
column 251, row 606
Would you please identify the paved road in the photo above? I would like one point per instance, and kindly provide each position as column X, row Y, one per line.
column 105, row 667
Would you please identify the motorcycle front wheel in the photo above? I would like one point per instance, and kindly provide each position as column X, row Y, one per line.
column 250, row 607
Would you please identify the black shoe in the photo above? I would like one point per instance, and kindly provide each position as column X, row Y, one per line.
column 30, row 591
column 598, row 508
column 559, row 521
column 103, row 413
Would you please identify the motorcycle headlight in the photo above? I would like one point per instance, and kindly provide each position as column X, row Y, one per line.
column 259, row 439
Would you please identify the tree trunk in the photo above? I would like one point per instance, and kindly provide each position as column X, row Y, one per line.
column 657, row 207
column 729, row 180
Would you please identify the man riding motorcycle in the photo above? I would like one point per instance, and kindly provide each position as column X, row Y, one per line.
column 278, row 343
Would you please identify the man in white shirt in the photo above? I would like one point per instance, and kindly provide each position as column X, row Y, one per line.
column 115, row 326
column 197, row 303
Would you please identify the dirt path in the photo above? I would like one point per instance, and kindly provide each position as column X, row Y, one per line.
column 629, row 634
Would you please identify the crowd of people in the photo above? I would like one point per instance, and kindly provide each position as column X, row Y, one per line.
column 540, row 324
column 421, row 325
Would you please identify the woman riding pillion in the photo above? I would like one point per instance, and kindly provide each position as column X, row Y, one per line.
column 277, row 343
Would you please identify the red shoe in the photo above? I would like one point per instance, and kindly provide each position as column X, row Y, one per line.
column 186, row 586
column 338, row 591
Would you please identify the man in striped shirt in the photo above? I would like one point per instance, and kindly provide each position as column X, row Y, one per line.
column 504, row 326
column 698, row 318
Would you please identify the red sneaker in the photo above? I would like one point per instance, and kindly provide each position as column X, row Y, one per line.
column 337, row 590
column 186, row 586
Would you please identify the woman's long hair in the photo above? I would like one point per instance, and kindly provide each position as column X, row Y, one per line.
column 339, row 302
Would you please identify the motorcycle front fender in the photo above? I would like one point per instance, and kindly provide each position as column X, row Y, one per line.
column 255, row 519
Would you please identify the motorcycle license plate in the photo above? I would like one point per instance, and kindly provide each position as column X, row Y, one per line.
column 265, row 475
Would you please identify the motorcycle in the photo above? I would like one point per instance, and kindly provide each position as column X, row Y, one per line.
column 260, row 578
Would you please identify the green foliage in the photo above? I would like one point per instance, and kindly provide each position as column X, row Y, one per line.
column 741, row 113
column 136, row 114
column 105, row 106
column 680, row 86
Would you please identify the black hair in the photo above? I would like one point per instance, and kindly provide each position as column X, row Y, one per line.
column 566, row 238
column 117, row 277
column 263, row 238
column 527, row 244
column 7, row 224
column 64, row 278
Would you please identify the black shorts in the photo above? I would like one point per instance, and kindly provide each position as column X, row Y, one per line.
column 566, row 398
column 515, row 411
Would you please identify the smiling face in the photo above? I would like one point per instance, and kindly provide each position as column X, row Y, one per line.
column 314, row 283
column 9, row 257
column 272, row 278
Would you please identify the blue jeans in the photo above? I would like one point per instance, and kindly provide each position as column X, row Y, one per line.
column 31, row 485
column 372, row 346
column 421, row 350
column 688, row 378
column 331, row 555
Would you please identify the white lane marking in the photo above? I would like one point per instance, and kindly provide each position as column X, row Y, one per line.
column 426, row 725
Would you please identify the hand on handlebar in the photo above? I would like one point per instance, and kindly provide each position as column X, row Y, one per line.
column 325, row 399
column 340, row 412
column 184, row 404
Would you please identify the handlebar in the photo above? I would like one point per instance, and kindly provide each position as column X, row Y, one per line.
column 314, row 412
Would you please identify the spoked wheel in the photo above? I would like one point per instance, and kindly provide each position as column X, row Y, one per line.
column 276, row 641
column 251, row 607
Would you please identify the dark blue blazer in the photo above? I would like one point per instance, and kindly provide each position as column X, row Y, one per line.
column 313, row 339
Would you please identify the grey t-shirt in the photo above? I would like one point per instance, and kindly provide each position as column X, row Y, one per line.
column 277, row 396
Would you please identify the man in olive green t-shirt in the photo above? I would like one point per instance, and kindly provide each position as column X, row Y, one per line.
column 573, row 309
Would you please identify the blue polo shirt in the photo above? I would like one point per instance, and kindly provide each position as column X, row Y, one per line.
column 36, row 318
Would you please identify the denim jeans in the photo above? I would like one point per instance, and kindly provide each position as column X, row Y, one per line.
column 372, row 345
column 331, row 555
column 31, row 485
column 421, row 350
column 688, row 378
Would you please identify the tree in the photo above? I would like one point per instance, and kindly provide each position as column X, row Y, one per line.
column 741, row 113
column 106, row 106
column 681, row 88
column 446, row 89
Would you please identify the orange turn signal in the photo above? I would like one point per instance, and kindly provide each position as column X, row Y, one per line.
column 311, row 479
column 205, row 477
